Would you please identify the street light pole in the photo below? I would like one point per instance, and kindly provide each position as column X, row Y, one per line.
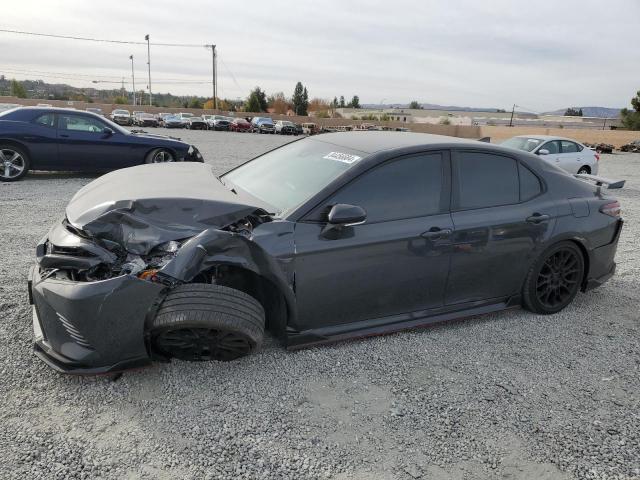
column 133, row 80
column 214, row 83
column 146, row 37
column 512, row 112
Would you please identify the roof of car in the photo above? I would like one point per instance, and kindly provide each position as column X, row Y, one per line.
column 546, row 137
column 374, row 141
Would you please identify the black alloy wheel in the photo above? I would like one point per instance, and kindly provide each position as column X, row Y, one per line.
column 202, row 344
column 555, row 279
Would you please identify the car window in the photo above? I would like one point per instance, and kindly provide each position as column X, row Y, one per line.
column 553, row 147
column 402, row 188
column 46, row 120
column 529, row 184
column 80, row 123
column 485, row 180
column 569, row 147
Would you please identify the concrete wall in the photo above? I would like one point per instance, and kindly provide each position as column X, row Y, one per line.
column 497, row 133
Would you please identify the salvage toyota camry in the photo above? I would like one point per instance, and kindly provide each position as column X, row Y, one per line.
column 327, row 238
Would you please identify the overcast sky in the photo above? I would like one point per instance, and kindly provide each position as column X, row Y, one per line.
column 542, row 55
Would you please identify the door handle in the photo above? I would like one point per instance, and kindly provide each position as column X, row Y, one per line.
column 538, row 218
column 436, row 232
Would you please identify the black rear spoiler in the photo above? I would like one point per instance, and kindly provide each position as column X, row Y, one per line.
column 599, row 181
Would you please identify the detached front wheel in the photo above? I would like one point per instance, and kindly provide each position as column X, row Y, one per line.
column 199, row 322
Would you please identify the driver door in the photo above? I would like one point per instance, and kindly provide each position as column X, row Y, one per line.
column 396, row 262
column 85, row 144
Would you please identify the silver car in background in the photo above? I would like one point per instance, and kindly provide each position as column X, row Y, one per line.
column 568, row 154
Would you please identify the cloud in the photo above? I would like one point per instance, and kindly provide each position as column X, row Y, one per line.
column 545, row 54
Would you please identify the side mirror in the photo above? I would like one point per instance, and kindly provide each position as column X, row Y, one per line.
column 108, row 132
column 543, row 151
column 345, row 215
column 342, row 215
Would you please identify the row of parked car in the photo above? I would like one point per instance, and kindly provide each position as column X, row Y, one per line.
column 208, row 122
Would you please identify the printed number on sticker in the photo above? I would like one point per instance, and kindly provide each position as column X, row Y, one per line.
column 342, row 157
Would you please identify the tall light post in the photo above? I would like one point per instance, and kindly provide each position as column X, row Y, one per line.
column 146, row 37
column 133, row 80
column 214, row 83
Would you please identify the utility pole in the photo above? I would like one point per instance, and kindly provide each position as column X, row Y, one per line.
column 146, row 37
column 513, row 110
column 133, row 80
column 605, row 123
column 214, row 79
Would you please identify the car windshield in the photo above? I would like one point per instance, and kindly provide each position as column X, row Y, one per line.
column 186, row 115
column 120, row 112
column 196, row 119
column 290, row 175
column 522, row 143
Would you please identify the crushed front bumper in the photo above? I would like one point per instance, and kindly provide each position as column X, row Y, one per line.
column 92, row 327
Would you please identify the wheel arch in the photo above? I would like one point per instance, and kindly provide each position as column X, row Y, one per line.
column 19, row 144
column 262, row 289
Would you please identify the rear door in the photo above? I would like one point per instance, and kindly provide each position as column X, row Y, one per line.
column 396, row 262
column 85, row 144
column 571, row 156
column 501, row 220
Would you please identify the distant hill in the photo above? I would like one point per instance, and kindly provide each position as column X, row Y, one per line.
column 431, row 106
column 600, row 112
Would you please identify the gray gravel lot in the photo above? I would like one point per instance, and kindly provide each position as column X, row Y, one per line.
column 510, row 395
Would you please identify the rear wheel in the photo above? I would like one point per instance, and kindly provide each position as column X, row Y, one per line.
column 159, row 155
column 554, row 279
column 14, row 163
column 199, row 322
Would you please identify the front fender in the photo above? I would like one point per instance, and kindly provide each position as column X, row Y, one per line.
column 215, row 247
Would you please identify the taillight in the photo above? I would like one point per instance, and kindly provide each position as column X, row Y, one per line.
column 612, row 209
column 597, row 155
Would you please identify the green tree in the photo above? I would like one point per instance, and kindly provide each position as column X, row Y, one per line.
column 121, row 100
column 300, row 99
column 257, row 101
column 195, row 103
column 354, row 103
column 573, row 112
column 17, row 89
column 334, row 104
column 415, row 105
column 342, row 101
column 631, row 118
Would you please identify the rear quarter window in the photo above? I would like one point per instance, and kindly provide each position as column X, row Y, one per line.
column 484, row 180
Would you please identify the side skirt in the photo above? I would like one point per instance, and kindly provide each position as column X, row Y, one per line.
column 382, row 326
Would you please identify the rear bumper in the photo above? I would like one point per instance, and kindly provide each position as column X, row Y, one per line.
column 602, row 263
column 90, row 328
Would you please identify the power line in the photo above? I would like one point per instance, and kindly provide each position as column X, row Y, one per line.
column 74, row 76
column 100, row 40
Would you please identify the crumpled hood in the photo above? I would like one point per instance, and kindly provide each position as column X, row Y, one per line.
column 141, row 207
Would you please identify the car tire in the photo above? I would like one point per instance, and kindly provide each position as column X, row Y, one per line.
column 199, row 322
column 159, row 155
column 554, row 279
column 14, row 163
column 584, row 169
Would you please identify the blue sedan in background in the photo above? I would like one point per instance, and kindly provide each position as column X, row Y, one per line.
column 38, row 138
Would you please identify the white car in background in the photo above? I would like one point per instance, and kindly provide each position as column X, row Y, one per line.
column 572, row 156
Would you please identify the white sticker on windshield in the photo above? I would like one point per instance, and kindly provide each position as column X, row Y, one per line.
column 342, row 157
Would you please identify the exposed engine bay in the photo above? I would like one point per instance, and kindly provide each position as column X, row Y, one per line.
column 95, row 258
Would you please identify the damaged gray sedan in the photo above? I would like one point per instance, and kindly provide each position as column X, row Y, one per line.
column 331, row 237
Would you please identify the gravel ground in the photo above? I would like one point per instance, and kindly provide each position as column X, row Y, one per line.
column 510, row 396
